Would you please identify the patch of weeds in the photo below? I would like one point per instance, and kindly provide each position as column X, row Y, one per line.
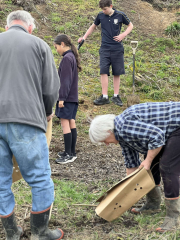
column 8, row 1
column 55, row 18
column 35, row 31
column 68, row 193
column 157, row 94
column 2, row 14
column 164, row 42
column 173, row 30
column 58, row 28
column 68, row 25
column 21, row 188
column 161, row 49
column 2, row 30
column 54, row 51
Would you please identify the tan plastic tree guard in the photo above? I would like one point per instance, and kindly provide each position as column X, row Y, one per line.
column 16, row 172
column 125, row 194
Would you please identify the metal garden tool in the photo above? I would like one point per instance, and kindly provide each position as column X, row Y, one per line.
column 133, row 99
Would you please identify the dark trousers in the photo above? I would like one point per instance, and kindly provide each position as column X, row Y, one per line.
column 167, row 165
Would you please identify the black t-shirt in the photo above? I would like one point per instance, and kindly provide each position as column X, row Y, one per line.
column 110, row 27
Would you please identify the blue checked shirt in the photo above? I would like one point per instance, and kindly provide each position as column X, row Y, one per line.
column 145, row 126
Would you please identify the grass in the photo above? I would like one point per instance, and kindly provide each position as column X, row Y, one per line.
column 74, row 202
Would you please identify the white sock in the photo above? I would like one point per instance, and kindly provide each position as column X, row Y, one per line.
column 105, row 96
column 115, row 95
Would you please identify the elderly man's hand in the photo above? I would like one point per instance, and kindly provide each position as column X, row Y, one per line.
column 146, row 164
column 50, row 117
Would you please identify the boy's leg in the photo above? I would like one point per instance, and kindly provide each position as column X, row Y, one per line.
column 104, row 72
column 117, row 61
column 104, row 84
column 116, row 81
column 103, row 99
column 116, row 99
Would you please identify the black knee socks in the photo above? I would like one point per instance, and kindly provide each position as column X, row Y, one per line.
column 68, row 142
column 74, row 138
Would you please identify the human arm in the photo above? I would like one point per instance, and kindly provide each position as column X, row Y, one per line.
column 141, row 137
column 131, row 159
column 121, row 36
column 151, row 154
column 50, row 117
column 66, row 78
column 89, row 31
column 50, row 80
column 61, row 104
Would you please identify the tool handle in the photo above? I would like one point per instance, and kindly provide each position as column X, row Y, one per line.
column 80, row 44
column 134, row 45
column 133, row 72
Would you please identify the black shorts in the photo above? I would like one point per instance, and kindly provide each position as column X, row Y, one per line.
column 114, row 58
column 68, row 111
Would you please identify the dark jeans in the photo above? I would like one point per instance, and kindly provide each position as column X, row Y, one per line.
column 167, row 165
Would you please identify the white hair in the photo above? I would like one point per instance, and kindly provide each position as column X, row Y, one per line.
column 101, row 127
column 21, row 15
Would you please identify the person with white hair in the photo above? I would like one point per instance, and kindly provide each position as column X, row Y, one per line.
column 152, row 129
column 29, row 89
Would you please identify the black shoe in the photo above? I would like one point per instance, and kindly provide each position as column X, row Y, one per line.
column 66, row 158
column 74, row 156
column 117, row 100
column 101, row 101
column 60, row 154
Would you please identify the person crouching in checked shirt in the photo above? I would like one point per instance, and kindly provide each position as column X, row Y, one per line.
column 152, row 129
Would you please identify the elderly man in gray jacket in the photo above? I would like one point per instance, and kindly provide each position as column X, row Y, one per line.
column 29, row 86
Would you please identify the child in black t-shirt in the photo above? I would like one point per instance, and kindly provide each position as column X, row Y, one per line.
column 67, row 104
column 111, row 51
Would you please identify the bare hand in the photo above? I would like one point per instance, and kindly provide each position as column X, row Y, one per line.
column 119, row 38
column 146, row 164
column 61, row 104
column 50, row 117
column 80, row 39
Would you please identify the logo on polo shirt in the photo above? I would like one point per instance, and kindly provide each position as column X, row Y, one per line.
column 115, row 21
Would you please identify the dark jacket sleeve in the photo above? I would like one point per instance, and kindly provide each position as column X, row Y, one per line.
column 50, row 81
column 66, row 78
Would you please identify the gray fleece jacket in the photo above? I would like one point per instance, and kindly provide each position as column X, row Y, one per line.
column 29, row 82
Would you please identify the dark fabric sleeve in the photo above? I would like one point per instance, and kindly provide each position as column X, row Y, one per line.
column 66, row 78
column 125, row 19
column 131, row 157
column 97, row 20
column 50, row 81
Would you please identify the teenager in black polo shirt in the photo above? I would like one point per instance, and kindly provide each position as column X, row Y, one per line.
column 111, row 51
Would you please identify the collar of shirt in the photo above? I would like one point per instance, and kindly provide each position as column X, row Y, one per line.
column 17, row 26
column 67, row 52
